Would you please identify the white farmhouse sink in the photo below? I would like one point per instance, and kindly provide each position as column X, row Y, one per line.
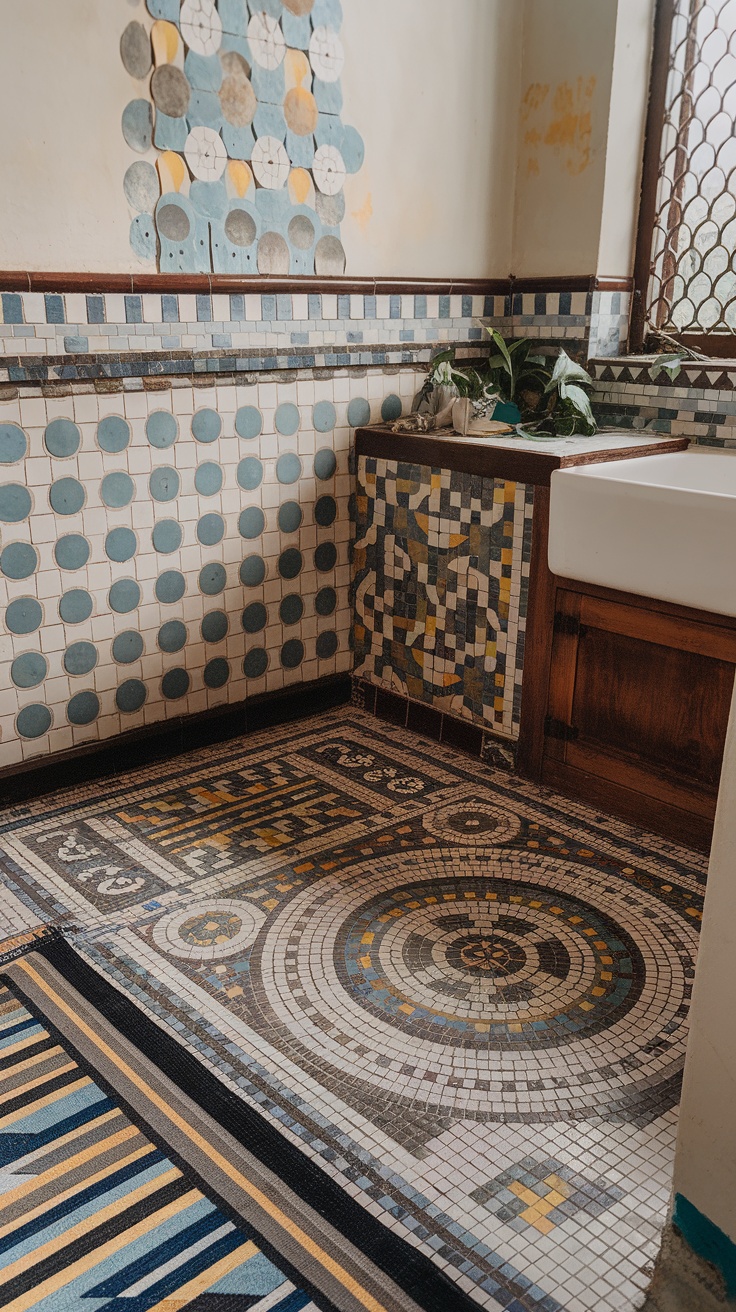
column 660, row 526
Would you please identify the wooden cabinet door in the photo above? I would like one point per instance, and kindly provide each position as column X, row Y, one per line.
column 637, row 711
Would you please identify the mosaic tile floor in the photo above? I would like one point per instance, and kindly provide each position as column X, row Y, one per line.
column 464, row 996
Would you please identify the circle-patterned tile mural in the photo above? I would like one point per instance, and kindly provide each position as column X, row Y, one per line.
column 208, row 930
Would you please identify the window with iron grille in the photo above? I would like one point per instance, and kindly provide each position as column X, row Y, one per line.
column 686, row 258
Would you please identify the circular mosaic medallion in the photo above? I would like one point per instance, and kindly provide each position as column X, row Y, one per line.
column 472, row 823
column 210, row 930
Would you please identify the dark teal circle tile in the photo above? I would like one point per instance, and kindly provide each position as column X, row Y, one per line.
column 325, row 511
column 206, row 425
column 124, row 596
column 170, row 586
column 127, row 647
column 164, row 483
column 290, row 516
column 15, row 503
column 216, row 672
column 75, row 606
column 83, row 708
column 18, row 560
column 250, row 473
column 291, row 609
column 255, row 617
column 120, row 544
column 248, row 422
column 130, row 696
column 80, row 658
column 324, row 416
column 251, row 522
column 71, row 551
column 325, row 557
column 62, row 438
column 113, row 434
column 359, row 412
column 13, row 444
column 208, row 478
column 252, row 571
column 325, row 464
column 210, row 530
column 161, row 429
column 33, row 721
column 28, row 670
column 24, row 615
column 292, row 654
column 255, row 663
column 286, row 419
column 290, row 563
column 325, row 601
column 212, row 578
column 117, row 489
column 175, row 684
column 167, row 536
column 391, row 407
column 214, row 626
column 66, row 496
column 288, row 467
column 172, row 635
column 326, row 644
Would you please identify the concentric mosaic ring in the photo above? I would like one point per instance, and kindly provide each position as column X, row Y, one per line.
column 209, row 930
column 472, row 823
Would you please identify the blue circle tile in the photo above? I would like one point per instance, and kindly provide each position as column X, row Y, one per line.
column 252, row 571
column 206, row 425
column 33, row 721
column 212, row 578
column 325, row 557
column 137, row 124
column 250, row 473
column 120, row 544
column 216, row 672
column 127, row 647
column 80, row 658
column 75, row 606
column 326, row 644
column 161, row 429
column 290, row 516
column 325, row 464
column 66, row 496
column 291, row 609
column 170, row 587
column 288, row 467
column 175, row 684
column 325, row 601
column 83, row 708
column 62, row 438
column 15, row 503
column 359, row 412
column 325, row 511
column 28, row 670
column 208, row 478
column 255, row 663
column 292, row 654
column 13, row 444
column 324, row 416
column 117, row 489
column 71, row 551
column 164, row 483
column 290, row 563
column 391, row 408
column 248, row 422
column 286, row 419
column 24, row 615
column 255, row 617
column 251, row 522
column 124, row 596
column 172, row 636
column 113, row 434
column 130, row 696
column 214, row 626
column 166, row 536
column 18, row 560
column 210, row 530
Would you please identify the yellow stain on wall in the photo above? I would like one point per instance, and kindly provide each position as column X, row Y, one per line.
column 363, row 215
column 559, row 120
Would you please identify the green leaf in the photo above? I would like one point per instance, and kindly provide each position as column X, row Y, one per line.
column 504, row 350
column 578, row 399
column 567, row 370
column 668, row 364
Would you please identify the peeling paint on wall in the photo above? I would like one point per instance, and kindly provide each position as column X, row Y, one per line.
column 559, row 120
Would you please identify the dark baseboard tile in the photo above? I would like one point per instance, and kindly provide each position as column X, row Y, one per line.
column 431, row 723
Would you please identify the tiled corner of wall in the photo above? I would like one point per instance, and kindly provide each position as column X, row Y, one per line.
column 699, row 404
